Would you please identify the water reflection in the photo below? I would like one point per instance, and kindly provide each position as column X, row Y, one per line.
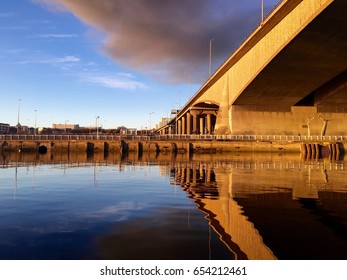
column 259, row 206
column 272, row 207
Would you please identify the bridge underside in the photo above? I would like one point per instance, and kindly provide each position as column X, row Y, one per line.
column 313, row 58
column 303, row 90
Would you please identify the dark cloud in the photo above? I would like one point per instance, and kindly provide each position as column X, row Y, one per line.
column 169, row 39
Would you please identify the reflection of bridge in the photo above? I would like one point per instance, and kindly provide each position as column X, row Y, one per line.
column 255, row 205
column 289, row 77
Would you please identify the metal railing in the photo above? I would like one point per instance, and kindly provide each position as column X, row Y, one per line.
column 90, row 137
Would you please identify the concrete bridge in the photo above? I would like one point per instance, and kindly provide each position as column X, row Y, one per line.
column 288, row 78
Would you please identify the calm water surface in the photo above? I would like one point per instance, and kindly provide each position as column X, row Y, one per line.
column 163, row 207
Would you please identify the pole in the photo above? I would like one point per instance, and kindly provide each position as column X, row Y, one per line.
column 150, row 120
column 18, row 124
column 210, row 68
column 262, row 10
column 65, row 125
column 97, row 127
column 35, row 123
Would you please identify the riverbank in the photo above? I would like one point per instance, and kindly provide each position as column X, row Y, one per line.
column 307, row 148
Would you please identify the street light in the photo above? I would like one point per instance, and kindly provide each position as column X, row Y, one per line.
column 210, row 68
column 18, row 124
column 65, row 125
column 35, row 123
column 150, row 119
column 262, row 11
column 97, row 127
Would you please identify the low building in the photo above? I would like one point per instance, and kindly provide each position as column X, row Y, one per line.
column 163, row 121
column 4, row 128
column 65, row 126
column 128, row 131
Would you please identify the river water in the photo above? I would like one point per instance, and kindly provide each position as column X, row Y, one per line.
column 234, row 206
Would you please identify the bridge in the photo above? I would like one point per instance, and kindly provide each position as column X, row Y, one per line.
column 289, row 77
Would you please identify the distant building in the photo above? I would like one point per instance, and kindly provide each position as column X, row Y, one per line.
column 4, row 128
column 65, row 126
column 163, row 121
column 128, row 131
column 19, row 129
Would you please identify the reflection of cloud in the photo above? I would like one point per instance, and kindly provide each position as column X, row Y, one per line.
column 169, row 39
column 120, row 210
column 120, row 81
column 113, row 213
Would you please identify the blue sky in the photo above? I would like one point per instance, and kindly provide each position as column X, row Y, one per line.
column 129, row 62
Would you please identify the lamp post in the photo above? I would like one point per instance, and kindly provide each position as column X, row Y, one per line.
column 262, row 10
column 97, row 126
column 18, row 124
column 150, row 120
column 65, row 125
column 35, row 122
column 210, row 68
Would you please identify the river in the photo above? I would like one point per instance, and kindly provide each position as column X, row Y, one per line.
column 166, row 206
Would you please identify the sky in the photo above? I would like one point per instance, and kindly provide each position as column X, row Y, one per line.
column 128, row 62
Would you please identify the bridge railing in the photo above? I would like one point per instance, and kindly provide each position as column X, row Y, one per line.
column 103, row 137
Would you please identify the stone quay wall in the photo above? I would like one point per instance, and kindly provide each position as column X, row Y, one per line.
column 310, row 149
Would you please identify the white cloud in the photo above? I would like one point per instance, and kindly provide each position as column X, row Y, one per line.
column 59, row 60
column 14, row 28
column 12, row 51
column 119, row 81
column 67, row 60
column 6, row 15
column 57, row 36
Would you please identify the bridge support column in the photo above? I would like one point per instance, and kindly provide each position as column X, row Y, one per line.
column 189, row 120
column 179, row 131
column 208, row 124
column 195, row 124
column 201, row 125
column 183, row 124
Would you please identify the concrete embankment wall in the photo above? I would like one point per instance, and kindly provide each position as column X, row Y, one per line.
column 176, row 146
column 152, row 146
